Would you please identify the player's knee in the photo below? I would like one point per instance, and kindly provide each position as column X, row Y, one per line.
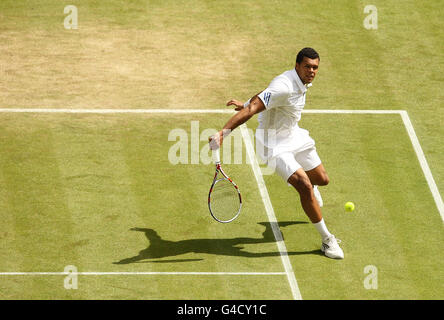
column 324, row 180
column 301, row 183
column 320, row 178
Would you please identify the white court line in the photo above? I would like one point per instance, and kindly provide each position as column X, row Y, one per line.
column 352, row 111
column 270, row 213
column 176, row 111
column 423, row 162
column 111, row 111
column 142, row 273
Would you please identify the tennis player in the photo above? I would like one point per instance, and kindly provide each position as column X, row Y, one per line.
column 283, row 145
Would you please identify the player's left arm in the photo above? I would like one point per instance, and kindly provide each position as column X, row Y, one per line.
column 273, row 96
column 255, row 106
column 245, row 113
column 238, row 104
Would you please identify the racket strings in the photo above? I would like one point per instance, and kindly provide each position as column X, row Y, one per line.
column 224, row 200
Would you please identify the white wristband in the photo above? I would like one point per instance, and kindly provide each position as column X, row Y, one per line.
column 247, row 103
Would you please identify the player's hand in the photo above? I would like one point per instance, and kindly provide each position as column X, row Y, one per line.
column 216, row 140
column 238, row 105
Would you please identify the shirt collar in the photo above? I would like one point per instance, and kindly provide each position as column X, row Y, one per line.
column 298, row 81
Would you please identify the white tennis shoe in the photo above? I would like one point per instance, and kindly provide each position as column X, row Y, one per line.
column 330, row 247
column 317, row 195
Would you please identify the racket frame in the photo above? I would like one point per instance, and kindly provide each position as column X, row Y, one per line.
column 216, row 158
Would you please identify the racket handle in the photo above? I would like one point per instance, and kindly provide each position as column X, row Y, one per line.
column 216, row 156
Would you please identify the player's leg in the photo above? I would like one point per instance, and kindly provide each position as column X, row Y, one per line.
column 315, row 170
column 318, row 177
column 300, row 180
column 292, row 171
column 287, row 166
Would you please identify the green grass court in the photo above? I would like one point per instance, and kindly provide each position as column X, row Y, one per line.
column 97, row 191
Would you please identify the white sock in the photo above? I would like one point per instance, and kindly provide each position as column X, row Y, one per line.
column 322, row 229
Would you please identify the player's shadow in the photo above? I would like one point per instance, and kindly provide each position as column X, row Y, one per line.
column 160, row 248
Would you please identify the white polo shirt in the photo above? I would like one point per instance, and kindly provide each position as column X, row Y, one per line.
column 278, row 129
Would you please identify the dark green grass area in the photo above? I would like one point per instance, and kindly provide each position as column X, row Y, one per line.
column 153, row 287
column 99, row 193
column 395, row 227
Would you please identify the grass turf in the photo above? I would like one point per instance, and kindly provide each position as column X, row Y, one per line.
column 72, row 187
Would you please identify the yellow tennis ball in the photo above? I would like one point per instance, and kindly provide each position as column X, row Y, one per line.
column 349, row 206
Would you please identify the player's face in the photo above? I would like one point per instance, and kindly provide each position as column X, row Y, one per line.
column 307, row 69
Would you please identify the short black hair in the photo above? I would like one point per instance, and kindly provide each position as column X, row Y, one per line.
column 307, row 52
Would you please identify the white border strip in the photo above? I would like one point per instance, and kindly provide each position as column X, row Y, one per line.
column 142, row 273
column 270, row 213
column 178, row 111
column 111, row 111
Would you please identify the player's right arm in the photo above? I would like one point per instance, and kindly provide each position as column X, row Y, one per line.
column 245, row 113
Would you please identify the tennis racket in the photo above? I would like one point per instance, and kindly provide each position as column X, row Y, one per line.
column 224, row 198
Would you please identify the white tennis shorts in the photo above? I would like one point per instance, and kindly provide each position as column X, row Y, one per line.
column 288, row 163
